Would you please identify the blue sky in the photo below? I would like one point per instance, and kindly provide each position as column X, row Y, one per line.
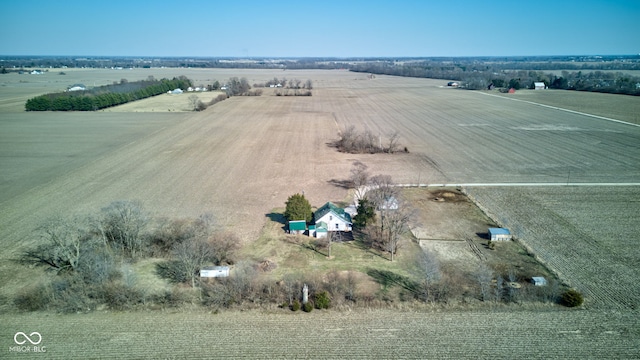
column 327, row 28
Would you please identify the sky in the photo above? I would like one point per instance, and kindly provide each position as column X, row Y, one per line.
column 320, row 28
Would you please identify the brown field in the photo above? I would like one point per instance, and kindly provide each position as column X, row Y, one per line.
column 619, row 107
column 587, row 234
column 378, row 333
column 244, row 156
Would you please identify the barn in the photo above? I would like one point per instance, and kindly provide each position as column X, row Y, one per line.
column 499, row 234
column 214, row 271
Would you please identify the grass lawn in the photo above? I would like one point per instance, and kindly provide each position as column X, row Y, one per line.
column 298, row 253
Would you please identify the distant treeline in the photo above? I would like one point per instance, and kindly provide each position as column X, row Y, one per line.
column 105, row 96
column 476, row 76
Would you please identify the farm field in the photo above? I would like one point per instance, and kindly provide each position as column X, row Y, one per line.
column 382, row 333
column 619, row 107
column 587, row 234
column 243, row 157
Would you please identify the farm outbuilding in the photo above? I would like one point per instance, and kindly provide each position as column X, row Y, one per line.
column 499, row 234
column 214, row 271
column 539, row 281
column 297, row 226
column 539, row 86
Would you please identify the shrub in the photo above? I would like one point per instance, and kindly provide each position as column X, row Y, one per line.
column 571, row 298
column 308, row 307
column 120, row 296
column 322, row 300
column 33, row 298
column 295, row 306
column 172, row 271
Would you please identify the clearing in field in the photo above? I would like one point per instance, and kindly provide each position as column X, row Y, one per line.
column 449, row 227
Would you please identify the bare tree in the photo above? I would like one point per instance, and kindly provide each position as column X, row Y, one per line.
column 484, row 275
column 359, row 179
column 193, row 101
column 192, row 255
column 430, row 268
column 382, row 190
column 498, row 291
column 62, row 245
column 121, row 225
column 309, row 84
column 393, row 224
column 223, row 246
column 393, row 142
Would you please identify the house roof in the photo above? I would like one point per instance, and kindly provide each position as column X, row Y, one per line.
column 499, row 231
column 330, row 207
column 297, row 225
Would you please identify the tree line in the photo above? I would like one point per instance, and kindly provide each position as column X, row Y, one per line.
column 518, row 75
column 105, row 96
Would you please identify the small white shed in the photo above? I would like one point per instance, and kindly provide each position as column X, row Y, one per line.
column 214, row 271
column 539, row 281
column 499, row 234
column 539, row 85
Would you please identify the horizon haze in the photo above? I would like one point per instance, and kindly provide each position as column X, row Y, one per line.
column 320, row 29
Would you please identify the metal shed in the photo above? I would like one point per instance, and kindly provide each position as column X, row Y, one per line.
column 499, row 234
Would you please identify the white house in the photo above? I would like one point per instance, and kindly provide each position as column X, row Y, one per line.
column 77, row 87
column 499, row 234
column 539, row 85
column 214, row 271
column 329, row 217
column 389, row 203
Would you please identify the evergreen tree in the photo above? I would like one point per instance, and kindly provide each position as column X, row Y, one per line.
column 366, row 214
column 298, row 208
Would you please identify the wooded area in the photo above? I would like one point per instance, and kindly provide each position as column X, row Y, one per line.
column 105, row 96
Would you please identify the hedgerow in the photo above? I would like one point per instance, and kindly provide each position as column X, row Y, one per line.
column 104, row 96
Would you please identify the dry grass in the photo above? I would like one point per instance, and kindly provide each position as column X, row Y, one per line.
column 165, row 103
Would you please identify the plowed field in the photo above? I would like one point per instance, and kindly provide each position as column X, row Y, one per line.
column 244, row 156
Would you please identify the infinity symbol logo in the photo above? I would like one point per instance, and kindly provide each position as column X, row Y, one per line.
column 27, row 338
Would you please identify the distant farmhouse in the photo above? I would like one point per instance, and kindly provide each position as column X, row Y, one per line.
column 77, row 87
